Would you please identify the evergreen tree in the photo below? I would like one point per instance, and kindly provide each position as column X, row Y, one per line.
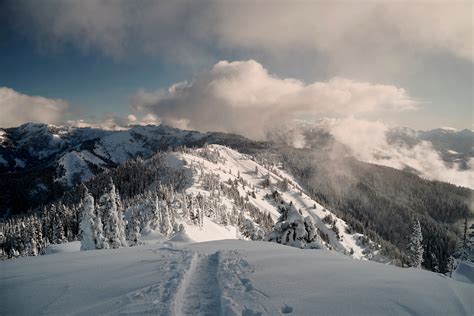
column 58, row 228
column 415, row 246
column 87, row 226
column 114, row 226
column 165, row 227
column 134, row 229
column 293, row 229
column 451, row 266
column 99, row 238
column 464, row 252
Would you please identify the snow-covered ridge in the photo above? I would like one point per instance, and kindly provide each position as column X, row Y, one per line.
column 230, row 165
column 78, row 153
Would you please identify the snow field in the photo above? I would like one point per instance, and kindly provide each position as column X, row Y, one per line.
column 227, row 277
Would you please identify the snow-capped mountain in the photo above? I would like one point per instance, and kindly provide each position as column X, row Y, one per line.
column 73, row 152
column 42, row 158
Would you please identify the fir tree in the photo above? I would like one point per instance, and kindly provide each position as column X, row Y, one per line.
column 415, row 246
column 87, row 226
column 165, row 226
column 99, row 238
column 134, row 230
column 114, row 226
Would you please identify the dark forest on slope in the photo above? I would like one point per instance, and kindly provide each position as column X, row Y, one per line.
column 382, row 201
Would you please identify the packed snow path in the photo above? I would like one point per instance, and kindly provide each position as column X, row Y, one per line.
column 199, row 294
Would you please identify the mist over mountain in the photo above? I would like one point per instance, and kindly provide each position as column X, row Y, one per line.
column 440, row 154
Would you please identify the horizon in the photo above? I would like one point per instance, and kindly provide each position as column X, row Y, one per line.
column 84, row 124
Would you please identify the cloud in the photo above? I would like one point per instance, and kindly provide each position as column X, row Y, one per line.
column 115, row 28
column 242, row 97
column 17, row 108
column 349, row 32
column 368, row 142
column 186, row 30
column 115, row 122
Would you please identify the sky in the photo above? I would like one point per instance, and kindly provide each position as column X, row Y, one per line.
column 236, row 66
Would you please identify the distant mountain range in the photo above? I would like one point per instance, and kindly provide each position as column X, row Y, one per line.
column 453, row 146
column 43, row 159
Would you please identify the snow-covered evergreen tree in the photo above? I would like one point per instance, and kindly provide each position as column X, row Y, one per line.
column 134, row 230
column 87, row 225
column 58, row 228
column 165, row 227
column 465, row 252
column 415, row 247
column 99, row 238
column 293, row 229
column 33, row 244
column 114, row 226
column 251, row 230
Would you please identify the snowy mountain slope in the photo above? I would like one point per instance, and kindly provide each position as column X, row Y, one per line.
column 34, row 156
column 230, row 165
column 46, row 144
column 223, row 278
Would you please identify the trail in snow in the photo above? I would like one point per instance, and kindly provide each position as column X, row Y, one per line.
column 219, row 284
column 199, row 292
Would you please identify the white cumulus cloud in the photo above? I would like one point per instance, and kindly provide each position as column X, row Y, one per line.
column 243, row 97
column 17, row 108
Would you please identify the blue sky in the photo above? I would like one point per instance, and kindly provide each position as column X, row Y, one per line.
column 92, row 82
column 98, row 55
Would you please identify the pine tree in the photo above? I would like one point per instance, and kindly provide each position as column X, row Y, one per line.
column 99, row 238
column 293, row 229
column 134, row 229
column 165, row 227
column 156, row 212
column 58, row 228
column 33, row 244
column 464, row 249
column 450, row 266
column 184, row 207
column 464, row 235
column 87, row 226
column 39, row 235
column 114, row 226
column 415, row 247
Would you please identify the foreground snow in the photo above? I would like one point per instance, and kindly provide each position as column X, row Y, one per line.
column 229, row 277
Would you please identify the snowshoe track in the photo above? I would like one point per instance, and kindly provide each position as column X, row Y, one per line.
column 219, row 284
column 199, row 293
